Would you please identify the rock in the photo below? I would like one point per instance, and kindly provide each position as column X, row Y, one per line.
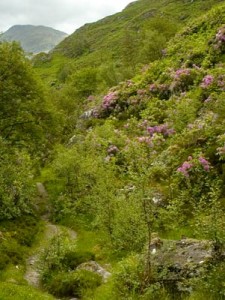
column 94, row 267
column 87, row 114
column 183, row 260
column 41, row 190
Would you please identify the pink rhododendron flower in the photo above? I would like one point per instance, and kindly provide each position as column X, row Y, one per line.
column 207, row 81
column 146, row 140
column 181, row 72
column 109, row 99
column 205, row 163
column 186, row 166
column 163, row 129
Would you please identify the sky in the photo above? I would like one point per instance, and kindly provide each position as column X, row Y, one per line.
column 64, row 15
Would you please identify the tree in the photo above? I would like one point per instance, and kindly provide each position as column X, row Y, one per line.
column 16, row 182
column 24, row 116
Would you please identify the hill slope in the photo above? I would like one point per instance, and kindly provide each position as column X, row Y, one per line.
column 117, row 45
column 149, row 156
column 34, row 39
column 138, row 171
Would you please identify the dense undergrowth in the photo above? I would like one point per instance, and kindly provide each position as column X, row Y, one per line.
column 148, row 157
column 145, row 156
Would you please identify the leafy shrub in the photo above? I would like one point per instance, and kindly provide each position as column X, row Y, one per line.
column 127, row 279
column 211, row 286
column 73, row 284
column 72, row 259
column 12, row 252
column 15, row 237
column 23, row 230
column 4, row 261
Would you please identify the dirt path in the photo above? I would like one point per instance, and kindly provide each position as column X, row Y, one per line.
column 34, row 263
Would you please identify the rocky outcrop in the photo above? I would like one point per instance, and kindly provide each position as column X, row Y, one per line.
column 178, row 262
column 94, row 267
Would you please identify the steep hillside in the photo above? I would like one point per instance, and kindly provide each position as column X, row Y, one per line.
column 144, row 167
column 137, row 170
column 137, row 18
column 34, row 39
column 119, row 44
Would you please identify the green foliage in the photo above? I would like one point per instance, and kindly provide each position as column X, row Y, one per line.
column 148, row 156
column 128, row 277
column 23, row 103
column 60, row 274
column 126, row 40
column 84, row 82
column 54, row 255
column 10, row 291
column 17, row 187
column 16, row 238
column 211, row 285
column 73, row 259
column 75, row 48
column 152, row 157
column 73, row 284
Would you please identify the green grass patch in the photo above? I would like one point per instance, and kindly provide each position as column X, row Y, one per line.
column 17, row 238
column 10, row 291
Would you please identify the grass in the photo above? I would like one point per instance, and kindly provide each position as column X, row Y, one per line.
column 87, row 239
column 21, row 237
column 11, row 291
column 177, row 233
column 49, row 70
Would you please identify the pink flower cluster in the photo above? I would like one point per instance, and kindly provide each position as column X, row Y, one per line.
column 146, row 140
column 188, row 165
column 109, row 99
column 141, row 92
column 207, row 81
column 112, row 150
column 181, row 72
column 163, row 129
column 154, row 87
column 204, row 162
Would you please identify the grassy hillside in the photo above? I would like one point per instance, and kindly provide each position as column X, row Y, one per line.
column 148, row 157
column 137, row 169
column 118, row 45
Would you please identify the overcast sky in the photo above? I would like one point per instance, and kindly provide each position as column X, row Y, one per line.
column 64, row 15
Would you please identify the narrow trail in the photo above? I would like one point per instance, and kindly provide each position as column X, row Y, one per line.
column 34, row 263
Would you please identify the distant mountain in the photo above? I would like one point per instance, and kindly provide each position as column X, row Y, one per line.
column 34, row 39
